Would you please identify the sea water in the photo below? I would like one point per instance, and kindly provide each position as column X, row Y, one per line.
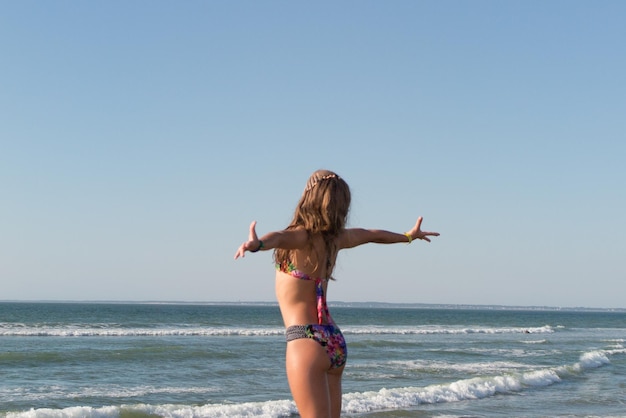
column 227, row 360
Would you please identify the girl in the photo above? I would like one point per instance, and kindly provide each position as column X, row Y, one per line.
column 305, row 253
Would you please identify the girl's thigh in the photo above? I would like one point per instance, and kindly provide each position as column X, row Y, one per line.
column 307, row 371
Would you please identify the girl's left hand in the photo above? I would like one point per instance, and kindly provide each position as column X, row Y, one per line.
column 417, row 233
column 252, row 244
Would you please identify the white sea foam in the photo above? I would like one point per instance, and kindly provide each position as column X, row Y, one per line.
column 71, row 412
column 468, row 389
column 270, row 409
column 105, row 330
column 509, row 352
column 441, row 329
column 111, row 391
column 615, row 350
column 593, row 359
column 353, row 403
column 534, row 342
column 137, row 332
column 468, row 368
column 537, row 378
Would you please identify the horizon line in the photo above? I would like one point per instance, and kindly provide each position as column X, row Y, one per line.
column 334, row 303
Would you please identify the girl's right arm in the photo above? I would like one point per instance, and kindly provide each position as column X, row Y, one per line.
column 286, row 239
column 358, row 236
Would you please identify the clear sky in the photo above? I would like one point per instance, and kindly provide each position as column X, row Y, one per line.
column 138, row 140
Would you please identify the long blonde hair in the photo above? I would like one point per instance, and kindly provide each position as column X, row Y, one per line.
column 322, row 209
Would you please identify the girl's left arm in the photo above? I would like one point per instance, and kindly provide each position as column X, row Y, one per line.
column 357, row 236
column 286, row 239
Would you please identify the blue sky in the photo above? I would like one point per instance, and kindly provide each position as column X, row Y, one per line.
column 139, row 139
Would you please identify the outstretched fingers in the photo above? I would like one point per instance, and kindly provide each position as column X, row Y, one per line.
column 253, row 242
column 241, row 251
column 423, row 235
column 252, row 236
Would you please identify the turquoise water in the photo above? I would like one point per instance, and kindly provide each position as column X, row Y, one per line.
column 184, row 360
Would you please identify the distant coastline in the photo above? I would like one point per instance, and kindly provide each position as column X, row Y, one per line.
column 339, row 304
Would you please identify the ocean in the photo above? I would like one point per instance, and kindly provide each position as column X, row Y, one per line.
column 227, row 360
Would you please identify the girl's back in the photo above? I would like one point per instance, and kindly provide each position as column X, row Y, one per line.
column 298, row 283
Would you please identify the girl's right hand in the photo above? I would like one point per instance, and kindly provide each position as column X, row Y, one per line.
column 252, row 244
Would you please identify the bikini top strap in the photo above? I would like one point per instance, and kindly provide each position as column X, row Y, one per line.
column 322, row 306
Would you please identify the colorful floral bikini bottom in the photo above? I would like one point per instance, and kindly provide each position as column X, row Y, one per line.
column 327, row 335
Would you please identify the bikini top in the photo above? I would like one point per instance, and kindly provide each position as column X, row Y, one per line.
column 322, row 307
